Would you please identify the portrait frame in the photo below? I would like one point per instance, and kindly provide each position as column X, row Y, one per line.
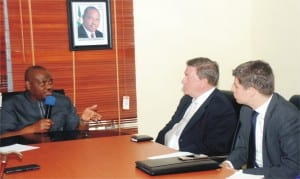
column 80, row 37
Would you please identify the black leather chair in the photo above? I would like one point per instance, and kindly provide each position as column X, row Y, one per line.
column 230, row 96
column 295, row 99
column 237, row 108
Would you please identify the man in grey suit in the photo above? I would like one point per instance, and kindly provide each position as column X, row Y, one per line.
column 276, row 148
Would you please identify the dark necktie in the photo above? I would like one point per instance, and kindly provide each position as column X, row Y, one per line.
column 251, row 148
column 92, row 35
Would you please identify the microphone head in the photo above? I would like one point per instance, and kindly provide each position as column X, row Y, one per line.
column 50, row 100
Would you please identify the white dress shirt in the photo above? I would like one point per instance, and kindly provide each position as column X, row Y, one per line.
column 259, row 128
column 90, row 36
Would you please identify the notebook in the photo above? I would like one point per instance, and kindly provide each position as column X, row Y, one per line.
column 175, row 165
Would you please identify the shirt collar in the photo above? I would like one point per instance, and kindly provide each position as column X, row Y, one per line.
column 200, row 99
column 263, row 108
column 89, row 33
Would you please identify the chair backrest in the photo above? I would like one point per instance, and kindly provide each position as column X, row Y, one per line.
column 237, row 108
column 230, row 96
column 295, row 99
column 7, row 95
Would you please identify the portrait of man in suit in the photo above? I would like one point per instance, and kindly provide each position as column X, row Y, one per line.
column 90, row 24
column 91, row 21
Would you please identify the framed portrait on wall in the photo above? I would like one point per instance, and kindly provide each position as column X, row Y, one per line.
column 89, row 24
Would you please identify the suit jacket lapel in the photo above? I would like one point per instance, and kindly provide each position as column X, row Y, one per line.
column 268, row 117
column 269, row 113
column 199, row 113
column 183, row 107
column 196, row 117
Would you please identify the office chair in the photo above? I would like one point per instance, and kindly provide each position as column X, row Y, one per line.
column 295, row 99
column 231, row 98
column 237, row 108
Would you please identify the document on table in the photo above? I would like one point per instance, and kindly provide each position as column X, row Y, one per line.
column 239, row 174
column 174, row 154
column 17, row 148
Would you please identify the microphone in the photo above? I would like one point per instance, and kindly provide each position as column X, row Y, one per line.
column 50, row 102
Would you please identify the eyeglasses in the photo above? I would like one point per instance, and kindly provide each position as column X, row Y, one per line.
column 44, row 82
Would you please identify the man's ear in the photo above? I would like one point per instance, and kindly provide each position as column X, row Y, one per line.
column 252, row 91
column 27, row 85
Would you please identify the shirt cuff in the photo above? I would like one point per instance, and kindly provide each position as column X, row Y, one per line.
column 229, row 163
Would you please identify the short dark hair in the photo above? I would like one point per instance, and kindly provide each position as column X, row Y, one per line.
column 206, row 68
column 257, row 74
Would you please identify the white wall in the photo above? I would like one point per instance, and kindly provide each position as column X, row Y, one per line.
column 276, row 38
column 169, row 32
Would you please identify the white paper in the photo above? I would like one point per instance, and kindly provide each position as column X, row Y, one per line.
column 175, row 154
column 16, row 148
column 239, row 174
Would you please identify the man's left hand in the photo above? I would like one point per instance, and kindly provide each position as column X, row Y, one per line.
column 90, row 114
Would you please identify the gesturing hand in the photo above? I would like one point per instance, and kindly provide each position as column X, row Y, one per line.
column 90, row 114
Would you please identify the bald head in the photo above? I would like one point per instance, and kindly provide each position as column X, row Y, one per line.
column 38, row 82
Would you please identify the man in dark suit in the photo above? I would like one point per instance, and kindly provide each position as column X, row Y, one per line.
column 205, row 120
column 91, row 21
column 25, row 113
column 276, row 128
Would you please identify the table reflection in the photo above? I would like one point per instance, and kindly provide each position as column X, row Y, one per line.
column 60, row 136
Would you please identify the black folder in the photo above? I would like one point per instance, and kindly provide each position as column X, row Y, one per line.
column 141, row 138
column 175, row 165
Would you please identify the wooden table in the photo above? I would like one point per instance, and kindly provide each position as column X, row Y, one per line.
column 37, row 138
column 104, row 157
